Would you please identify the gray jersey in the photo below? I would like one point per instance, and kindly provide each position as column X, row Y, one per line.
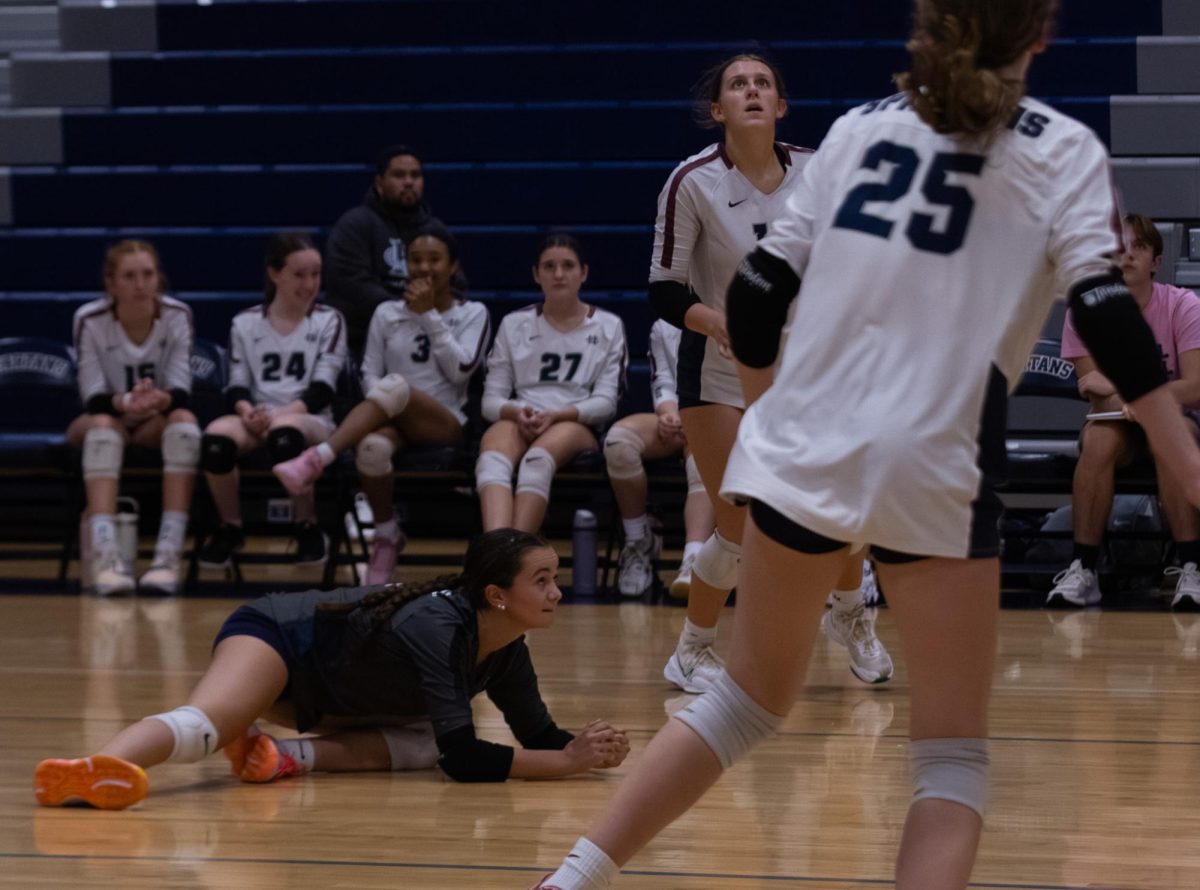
column 436, row 352
column 276, row 368
column 664, row 354
column 535, row 365
column 109, row 362
column 928, row 267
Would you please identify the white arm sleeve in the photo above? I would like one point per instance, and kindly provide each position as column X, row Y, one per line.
column 87, row 356
column 662, row 366
column 177, row 372
column 601, row 405
column 373, row 353
column 332, row 355
column 676, row 229
column 791, row 237
column 498, row 385
column 1086, row 235
column 457, row 353
column 239, row 365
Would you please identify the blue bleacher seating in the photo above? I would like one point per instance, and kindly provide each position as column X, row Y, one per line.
column 39, row 397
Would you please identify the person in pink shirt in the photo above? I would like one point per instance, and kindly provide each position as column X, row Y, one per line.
column 1173, row 314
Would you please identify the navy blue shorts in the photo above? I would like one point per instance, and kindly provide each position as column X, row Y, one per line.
column 246, row 621
column 985, row 532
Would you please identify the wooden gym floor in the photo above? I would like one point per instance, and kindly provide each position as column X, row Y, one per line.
column 1095, row 742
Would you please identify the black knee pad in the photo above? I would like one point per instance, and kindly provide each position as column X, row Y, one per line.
column 218, row 454
column 284, row 443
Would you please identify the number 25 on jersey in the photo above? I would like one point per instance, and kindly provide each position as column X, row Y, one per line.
column 920, row 231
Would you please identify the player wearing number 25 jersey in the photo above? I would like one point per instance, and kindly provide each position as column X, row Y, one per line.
column 858, row 440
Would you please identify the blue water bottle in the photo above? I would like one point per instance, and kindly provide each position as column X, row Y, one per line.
column 583, row 554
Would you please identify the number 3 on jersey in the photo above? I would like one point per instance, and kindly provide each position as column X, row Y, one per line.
column 920, row 229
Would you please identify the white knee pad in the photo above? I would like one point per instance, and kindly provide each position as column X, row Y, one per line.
column 717, row 562
column 623, row 450
column 536, row 472
column 951, row 769
column 729, row 720
column 181, row 448
column 492, row 468
column 103, row 450
column 374, row 455
column 390, row 393
column 411, row 747
column 195, row 735
column 695, row 483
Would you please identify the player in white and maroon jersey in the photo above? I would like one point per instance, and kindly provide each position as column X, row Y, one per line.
column 714, row 208
column 420, row 355
column 133, row 347
column 933, row 231
column 637, row 438
column 285, row 357
column 554, row 376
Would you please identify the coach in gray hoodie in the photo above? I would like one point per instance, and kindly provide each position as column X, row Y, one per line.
column 365, row 256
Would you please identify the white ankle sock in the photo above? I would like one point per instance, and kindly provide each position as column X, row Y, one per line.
column 691, row 548
column 171, row 531
column 694, row 635
column 301, row 751
column 844, row 600
column 635, row 529
column 389, row 529
column 326, row 453
column 586, row 867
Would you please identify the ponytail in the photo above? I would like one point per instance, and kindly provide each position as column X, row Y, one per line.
column 957, row 47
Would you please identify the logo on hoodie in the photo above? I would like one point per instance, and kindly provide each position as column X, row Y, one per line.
column 396, row 258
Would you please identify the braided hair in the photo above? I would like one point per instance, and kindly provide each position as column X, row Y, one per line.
column 494, row 557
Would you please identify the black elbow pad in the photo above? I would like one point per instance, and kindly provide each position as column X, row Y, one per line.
column 316, row 397
column 180, row 398
column 756, row 307
column 671, row 301
column 101, row 403
column 1111, row 326
column 465, row 758
column 236, row 394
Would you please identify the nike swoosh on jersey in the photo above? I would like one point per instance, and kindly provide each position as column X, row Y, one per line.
column 736, row 203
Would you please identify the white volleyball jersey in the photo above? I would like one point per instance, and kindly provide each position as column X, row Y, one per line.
column 277, row 369
column 926, row 263
column 709, row 217
column 664, row 353
column 536, row 365
column 109, row 362
column 436, row 352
